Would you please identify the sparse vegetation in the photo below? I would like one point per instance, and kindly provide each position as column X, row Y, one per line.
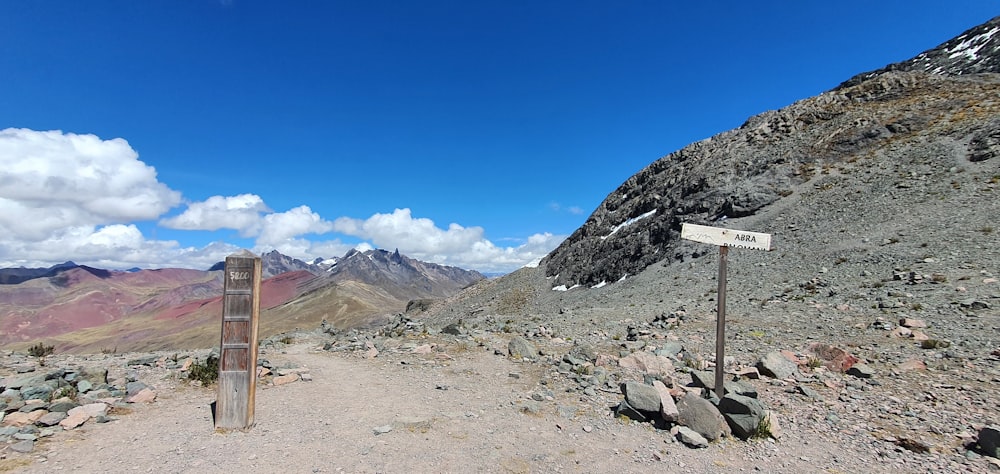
column 67, row 391
column 206, row 372
column 763, row 430
column 40, row 350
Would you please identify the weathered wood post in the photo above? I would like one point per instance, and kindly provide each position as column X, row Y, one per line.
column 724, row 238
column 234, row 408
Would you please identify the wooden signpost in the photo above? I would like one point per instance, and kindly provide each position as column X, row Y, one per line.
column 724, row 238
column 234, row 408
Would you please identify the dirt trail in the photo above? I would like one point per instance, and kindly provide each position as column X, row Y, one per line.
column 447, row 413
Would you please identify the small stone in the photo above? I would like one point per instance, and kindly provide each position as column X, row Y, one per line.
column 691, row 437
column 989, row 441
column 912, row 323
column 861, row 371
column 25, row 446
column 285, row 379
column 75, row 419
column 382, row 429
column 912, row 364
column 143, row 396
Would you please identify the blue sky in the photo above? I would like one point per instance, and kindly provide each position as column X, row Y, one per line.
column 478, row 134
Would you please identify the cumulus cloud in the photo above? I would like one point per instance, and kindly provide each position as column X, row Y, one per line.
column 53, row 180
column 460, row 246
column 242, row 213
column 65, row 196
column 281, row 226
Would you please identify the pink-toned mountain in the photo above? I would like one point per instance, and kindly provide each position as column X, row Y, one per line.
column 82, row 309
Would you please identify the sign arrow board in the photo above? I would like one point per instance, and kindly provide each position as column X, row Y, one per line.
column 740, row 239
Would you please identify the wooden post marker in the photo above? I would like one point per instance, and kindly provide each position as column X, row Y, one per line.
column 724, row 238
column 234, row 408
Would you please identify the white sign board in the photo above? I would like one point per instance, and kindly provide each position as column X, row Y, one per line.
column 740, row 239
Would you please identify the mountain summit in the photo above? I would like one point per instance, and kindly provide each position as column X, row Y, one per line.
column 973, row 52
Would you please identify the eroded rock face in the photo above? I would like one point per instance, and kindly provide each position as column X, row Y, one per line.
column 923, row 103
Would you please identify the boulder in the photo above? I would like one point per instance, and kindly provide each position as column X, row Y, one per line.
column 521, row 348
column 647, row 363
column 743, row 414
column 642, row 397
column 701, row 416
column 774, row 364
column 834, row 358
column 668, row 409
column 691, row 437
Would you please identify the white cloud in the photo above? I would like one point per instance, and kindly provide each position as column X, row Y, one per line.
column 68, row 196
column 65, row 196
column 53, row 180
column 460, row 246
column 280, row 227
column 242, row 213
column 411, row 235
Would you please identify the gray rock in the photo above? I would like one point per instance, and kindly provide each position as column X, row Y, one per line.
column 989, row 441
column 84, row 386
column 642, row 397
column 42, row 391
column 628, row 411
column 743, row 414
column 670, row 349
column 530, row 407
column 706, row 379
column 63, row 404
column 691, row 437
column 812, row 394
column 25, row 446
column 773, row 364
column 133, row 388
column 521, row 348
column 51, row 418
column 96, row 377
column 149, row 360
column 700, row 415
column 861, row 371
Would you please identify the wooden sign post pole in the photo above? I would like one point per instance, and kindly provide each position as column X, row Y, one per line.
column 724, row 238
column 234, row 408
column 720, row 322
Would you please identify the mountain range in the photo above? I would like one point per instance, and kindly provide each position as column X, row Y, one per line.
column 78, row 308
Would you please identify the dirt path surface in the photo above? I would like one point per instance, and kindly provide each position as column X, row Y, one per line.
column 447, row 411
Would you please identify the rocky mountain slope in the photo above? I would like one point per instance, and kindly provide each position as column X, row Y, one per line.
column 901, row 116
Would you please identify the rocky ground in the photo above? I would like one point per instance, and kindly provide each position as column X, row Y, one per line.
column 483, row 396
